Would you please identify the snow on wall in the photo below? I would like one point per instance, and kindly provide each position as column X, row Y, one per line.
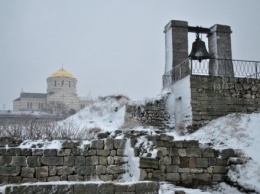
column 178, row 103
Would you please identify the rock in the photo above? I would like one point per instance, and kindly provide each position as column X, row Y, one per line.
column 11, row 142
column 149, row 163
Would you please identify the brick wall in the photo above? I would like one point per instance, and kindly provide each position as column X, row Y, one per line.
column 213, row 97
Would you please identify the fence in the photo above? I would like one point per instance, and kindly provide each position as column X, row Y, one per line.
column 213, row 67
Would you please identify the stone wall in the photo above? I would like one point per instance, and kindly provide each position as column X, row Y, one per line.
column 213, row 97
column 152, row 113
column 185, row 163
column 101, row 159
column 86, row 188
column 161, row 159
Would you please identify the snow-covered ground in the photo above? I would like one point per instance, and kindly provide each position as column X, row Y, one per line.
column 238, row 131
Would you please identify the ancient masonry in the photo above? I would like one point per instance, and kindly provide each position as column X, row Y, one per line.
column 180, row 162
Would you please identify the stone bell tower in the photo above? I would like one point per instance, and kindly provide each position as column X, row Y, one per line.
column 219, row 44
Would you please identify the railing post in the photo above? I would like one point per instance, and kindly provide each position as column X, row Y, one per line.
column 191, row 66
column 256, row 70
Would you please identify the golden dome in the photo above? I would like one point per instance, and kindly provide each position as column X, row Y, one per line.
column 62, row 73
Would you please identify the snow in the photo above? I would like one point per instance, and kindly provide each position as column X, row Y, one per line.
column 41, row 144
column 106, row 114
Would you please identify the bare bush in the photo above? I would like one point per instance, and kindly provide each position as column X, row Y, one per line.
column 33, row 129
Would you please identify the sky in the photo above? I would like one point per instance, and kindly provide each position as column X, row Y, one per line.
column 111, row 47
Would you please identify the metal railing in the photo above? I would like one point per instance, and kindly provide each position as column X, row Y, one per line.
column 213, row 67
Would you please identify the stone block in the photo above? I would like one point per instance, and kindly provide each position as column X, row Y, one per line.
column 110, row 160
column 208, row 153
column 93, row 160
column 191, row 144
column 226, row 153
column 18, row 161
column 29, row 180
column 123, row 188
column 52, row 170
column 218, row 177
column 201, row 162
column 186, row 178
column 85, row 170
column 109, row 144
column 115, row 169
column 10, row 171
column 97, row 144
column 119, row 143
column 178, row 144
column 205, row 177
column 183, row 170
column 75, row 178
column 150, row 163
column 212, row 161
column 221, row 162
column 77, row 152
column 80, row 161
column 192, row 162
column 5, row 160
column 37, row 189
column 108, row 188
column 165, row 137
column 50, row 152
column 167, row 160
column 100, row 169
column 69, row 160
column 113, row 153
column 120, row 152
column 176, row 160
column 15, row 180
column 65, row 170
column 103, row 152
column 13, row 152
column 27, row 172
column 52, row 161
column 85, row 188
column 174, row 152
column 172, row 168
column 193, row 152
column 102, row 160
column 158, row 175
column 184, row 162
column 53, row 178
column 11, row 142
column 64, row 152
column 146, row 187
column 41, row 172
column 219, row 169
column 68, row 145
column 120, row 160
column 173, row 177
column 182, row 152
column 26, row 152
column 37, row 152
column 106, row 177
column 32, row 161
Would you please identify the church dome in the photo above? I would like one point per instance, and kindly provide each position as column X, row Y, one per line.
column 62, row 73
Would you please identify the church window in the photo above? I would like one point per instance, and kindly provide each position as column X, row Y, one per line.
column 55, row 83
column 69, row 83
column 28, row 105
column 62, row 82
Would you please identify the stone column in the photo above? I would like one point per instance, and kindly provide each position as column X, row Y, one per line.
column 220, row 48
column 176, row 43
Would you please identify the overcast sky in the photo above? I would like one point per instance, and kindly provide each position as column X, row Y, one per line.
column 110, row 46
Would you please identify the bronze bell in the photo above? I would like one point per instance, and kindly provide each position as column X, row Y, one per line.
column 199, row 51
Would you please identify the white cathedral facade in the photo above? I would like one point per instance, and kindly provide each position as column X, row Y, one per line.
column 61, row 96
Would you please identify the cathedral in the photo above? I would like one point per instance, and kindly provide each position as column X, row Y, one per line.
column 61, row 97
